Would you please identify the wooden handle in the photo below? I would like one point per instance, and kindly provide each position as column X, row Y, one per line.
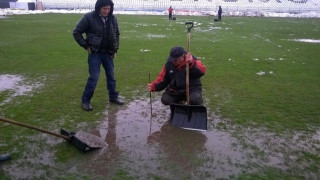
column 187, row 84
column 187, row 70
column 189, row 26
column 33, row 127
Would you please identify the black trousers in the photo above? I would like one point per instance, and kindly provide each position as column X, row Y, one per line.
column 170, row 98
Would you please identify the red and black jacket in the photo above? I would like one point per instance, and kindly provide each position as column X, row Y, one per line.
column 174, row 78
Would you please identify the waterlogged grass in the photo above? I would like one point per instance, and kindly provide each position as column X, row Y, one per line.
column 41, row 48
column 233, row 51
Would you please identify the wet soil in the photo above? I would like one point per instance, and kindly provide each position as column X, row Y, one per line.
column 148, row 146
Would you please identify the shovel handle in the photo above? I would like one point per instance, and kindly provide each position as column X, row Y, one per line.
column 33, row 127
column 189, row 26
column 187, row 84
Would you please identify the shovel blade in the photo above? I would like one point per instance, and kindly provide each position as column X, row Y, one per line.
column 191, row 117
column 83, row 141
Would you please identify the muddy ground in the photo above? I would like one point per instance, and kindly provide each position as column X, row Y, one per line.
column 148, row 147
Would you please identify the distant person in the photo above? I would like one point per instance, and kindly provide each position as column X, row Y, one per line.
column 102, row 42
column 4, row 157
column 219, row 13
column 173, row 78
column 170, row 12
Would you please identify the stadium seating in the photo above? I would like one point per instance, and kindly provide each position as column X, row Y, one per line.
column 291, row 6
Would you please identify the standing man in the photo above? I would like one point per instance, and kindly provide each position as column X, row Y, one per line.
column 219, row 13
column 173, row 78
column 170, row 12
column 102, row 42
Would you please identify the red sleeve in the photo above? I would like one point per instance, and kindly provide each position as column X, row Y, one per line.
column 200, row 66
column 159, row 79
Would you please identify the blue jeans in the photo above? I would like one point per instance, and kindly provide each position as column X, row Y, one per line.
column 94, row 61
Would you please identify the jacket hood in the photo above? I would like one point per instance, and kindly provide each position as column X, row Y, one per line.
column 101, row 3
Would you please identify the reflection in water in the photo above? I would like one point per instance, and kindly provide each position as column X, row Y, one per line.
column 102, row 161
column 180, row 145
column 167, row 152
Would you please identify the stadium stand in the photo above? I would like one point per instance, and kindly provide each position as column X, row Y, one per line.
column 245, row 6
column 6, row 3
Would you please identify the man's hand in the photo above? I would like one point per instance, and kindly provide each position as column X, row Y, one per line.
column 149, row 86
column 188, row 58
column 89, row 50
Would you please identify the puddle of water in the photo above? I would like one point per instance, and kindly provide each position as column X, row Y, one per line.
column 35, row 159
column 176, row 153
column 9, row 81
column 147, row 146
column 16, row 84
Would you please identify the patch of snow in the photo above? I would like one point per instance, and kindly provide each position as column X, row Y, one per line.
column 306, row 40
column 145, row 50
column 261, row 73
column 311, row 14
column 156, row 36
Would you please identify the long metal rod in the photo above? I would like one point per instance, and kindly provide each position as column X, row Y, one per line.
column 150, row 107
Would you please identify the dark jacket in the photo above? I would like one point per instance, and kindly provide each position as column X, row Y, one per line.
column 219, row 11
column 92, row 25
column 174, row 78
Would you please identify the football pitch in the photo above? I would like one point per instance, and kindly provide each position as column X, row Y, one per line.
column 261, row 88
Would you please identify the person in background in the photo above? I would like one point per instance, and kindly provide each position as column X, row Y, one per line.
column 219, row 13
column 170, row 12
column 173, row 78
column 102, row 42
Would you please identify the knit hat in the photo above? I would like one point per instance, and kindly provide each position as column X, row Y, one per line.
column 175, row 53
column 102, row 3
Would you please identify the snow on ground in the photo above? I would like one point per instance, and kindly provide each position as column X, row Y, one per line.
column 307, row 40
column 311, row 14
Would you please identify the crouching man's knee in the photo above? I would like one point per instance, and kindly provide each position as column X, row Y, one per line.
column 196, row 99
column 166, row 99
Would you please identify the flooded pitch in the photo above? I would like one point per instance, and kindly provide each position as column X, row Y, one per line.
column 148, row 146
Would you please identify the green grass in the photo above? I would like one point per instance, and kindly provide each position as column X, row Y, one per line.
column 41, row 48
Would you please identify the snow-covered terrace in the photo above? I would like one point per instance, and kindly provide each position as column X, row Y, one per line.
column 194, row 5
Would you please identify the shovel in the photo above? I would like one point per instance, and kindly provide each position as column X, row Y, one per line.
column 192, row 117
column 83, row 141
